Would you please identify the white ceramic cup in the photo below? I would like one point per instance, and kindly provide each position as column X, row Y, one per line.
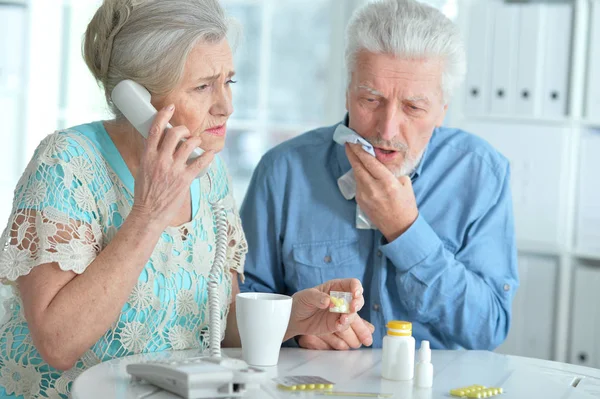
column 262, row 322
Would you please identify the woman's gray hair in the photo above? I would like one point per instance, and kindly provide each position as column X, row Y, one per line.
column 148, row 41
column 407, row 29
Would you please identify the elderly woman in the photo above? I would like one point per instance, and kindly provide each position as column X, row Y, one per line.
column 111, row 236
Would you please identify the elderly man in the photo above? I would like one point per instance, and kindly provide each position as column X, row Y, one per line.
column 422, row 214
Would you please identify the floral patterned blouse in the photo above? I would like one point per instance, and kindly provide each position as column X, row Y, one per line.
column 71, row 200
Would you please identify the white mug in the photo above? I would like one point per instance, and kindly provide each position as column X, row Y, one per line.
column 262, row 322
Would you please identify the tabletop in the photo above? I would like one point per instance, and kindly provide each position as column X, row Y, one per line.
column 359, row 371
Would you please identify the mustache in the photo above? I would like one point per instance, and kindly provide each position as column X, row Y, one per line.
column 396, row 145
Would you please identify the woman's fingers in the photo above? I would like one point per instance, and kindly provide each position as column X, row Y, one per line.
column 158, row 127
column 172, row 140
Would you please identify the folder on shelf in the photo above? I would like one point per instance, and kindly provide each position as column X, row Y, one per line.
column 528, row 99
column 479, row 36
column 557, row 55
column 592, row 106
column 585, row 328
column 504, row 58
column 588, row 206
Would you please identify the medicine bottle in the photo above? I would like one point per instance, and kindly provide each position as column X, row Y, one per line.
column 424, row 368
column 398, row 352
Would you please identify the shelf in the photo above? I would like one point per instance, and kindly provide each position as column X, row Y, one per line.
column 13, row 3
column 519, row 119
column 514, row 119
column 539, row 249
column 533, row 248
column 590, row 123
column 587, row 254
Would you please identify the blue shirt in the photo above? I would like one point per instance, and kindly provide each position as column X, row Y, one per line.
column 453, row 273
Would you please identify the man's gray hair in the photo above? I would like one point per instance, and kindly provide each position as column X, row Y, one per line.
column 409, row 30
column 148, row 41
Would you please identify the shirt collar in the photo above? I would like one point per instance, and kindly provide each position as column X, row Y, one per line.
column 344, row 164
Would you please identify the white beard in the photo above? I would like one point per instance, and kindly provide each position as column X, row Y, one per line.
column 408, row 165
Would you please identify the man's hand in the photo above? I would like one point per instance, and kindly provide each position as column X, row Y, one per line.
column 387, row 200
column 310, row 309
column 360, row 333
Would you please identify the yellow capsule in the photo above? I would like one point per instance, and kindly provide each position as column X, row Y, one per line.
column 287, row 388
column 321, row 386
column 311, row 386
column 329, row 386
column 302, row 386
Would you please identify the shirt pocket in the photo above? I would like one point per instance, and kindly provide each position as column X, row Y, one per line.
column 318, row 262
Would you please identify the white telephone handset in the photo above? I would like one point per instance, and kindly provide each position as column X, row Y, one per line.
column 133, row 100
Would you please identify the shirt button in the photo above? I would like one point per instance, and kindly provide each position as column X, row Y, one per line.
column 506, row 287
column 379, row 253
column 376, row 307
column 327, row 259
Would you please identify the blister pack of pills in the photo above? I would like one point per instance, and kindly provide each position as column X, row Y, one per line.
column 303, row 383
column 476, row 391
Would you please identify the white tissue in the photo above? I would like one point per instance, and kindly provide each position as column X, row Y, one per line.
column 343, row 134
column 347, row 183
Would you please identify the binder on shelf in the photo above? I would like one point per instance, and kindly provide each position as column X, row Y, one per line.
column 557, row 54
column 585, row 331
column 528, row 96
column 504, row 58
column 592, row 105
column 479, row 36
column 588, row 206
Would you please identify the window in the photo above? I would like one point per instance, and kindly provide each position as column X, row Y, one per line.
column 291, row 76
column 12, row 64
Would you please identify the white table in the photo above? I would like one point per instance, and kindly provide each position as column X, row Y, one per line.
column 360, row 371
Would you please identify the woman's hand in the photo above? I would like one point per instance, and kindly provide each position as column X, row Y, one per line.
column 310, row 309
column 164, row 177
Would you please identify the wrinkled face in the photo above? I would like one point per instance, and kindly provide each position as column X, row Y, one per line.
column 203, row 97
column 395, row 104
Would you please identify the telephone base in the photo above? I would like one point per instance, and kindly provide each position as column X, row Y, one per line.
column 198, row 378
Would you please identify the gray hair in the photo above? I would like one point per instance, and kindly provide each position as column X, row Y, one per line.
column 407, row 29
column 148, row 41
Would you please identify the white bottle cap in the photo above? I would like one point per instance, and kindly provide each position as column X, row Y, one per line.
column 425, row 352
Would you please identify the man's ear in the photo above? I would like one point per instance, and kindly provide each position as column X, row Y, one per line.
column 442, row 116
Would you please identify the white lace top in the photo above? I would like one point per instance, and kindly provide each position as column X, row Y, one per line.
column 72, row 198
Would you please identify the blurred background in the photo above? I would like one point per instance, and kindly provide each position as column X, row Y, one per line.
column 532, row 90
